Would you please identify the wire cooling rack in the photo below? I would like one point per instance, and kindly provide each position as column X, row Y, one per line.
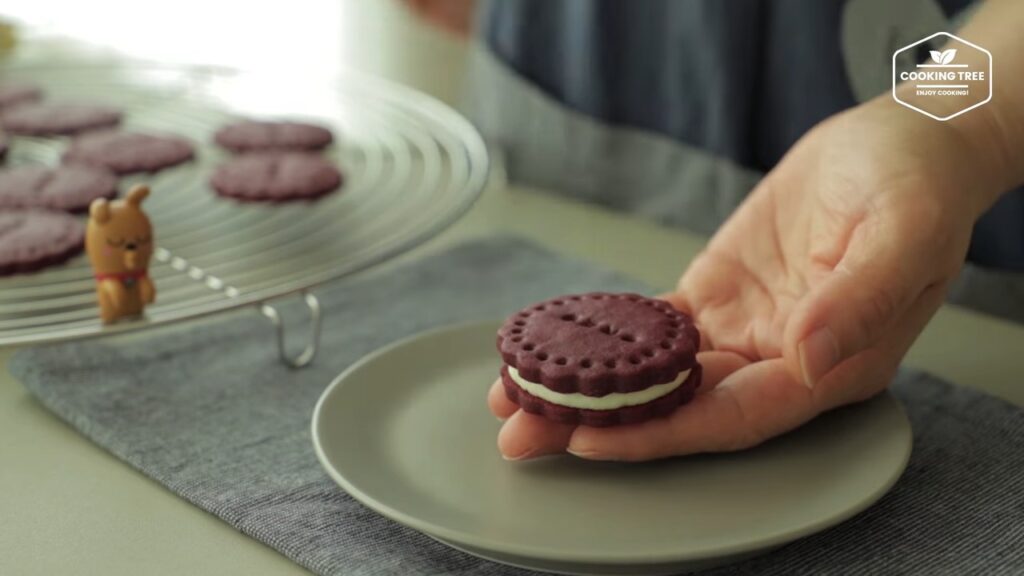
column 411, row 164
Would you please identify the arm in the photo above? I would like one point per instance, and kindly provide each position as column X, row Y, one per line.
column 993, row 134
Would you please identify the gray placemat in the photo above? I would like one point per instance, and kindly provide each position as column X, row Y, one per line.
column 213, row 415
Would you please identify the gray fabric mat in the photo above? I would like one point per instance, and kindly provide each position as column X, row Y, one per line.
column 213, row 415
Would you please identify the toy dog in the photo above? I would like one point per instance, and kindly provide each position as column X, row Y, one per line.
column 119, row 241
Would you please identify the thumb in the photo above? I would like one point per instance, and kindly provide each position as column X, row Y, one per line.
column 852, row 307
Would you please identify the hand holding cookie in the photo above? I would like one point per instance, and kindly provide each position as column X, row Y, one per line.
column 808, row 297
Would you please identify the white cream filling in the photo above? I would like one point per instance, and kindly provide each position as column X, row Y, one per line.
column 606, row 402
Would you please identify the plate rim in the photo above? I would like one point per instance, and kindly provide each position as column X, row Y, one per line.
column 459, row 536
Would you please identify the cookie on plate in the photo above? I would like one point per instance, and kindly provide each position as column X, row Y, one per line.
column 276, row 177
column 599, row 359
column 249, row 136
column 70, row 187
column 12, row 95
column 41, row 119
column 33, row 239
column 129, row 152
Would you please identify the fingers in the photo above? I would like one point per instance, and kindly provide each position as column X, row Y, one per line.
column 453, row 15
column 717, row 366
column 754, row 403
column 855, row 304
column 498, row 402
column 679, row 301
column 871, row 371
column 525, row 436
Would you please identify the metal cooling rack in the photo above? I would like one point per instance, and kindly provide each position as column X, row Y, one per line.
column 411, row 164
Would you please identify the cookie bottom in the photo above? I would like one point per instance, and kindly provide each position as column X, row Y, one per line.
column 603, row 418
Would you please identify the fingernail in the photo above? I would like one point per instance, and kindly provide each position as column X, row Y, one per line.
column 524, row 456
column 587, row 454
column 819, row 353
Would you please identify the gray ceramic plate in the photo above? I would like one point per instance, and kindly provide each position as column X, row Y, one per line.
column 406, row 431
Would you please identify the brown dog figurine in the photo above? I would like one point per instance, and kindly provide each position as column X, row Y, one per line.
column 119, row 241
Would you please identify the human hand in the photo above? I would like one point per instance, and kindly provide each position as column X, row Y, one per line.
column 455, row 16
column 810, row 294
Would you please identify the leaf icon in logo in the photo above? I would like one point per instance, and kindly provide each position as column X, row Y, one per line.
column 936, row 56
column 948, row 55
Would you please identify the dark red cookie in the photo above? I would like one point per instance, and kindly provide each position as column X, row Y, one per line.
column 4, row 145
column 58, row 119
column 12, row 95
column 276, row 177
column 599, row 344
column 662, row 406
column 70, row 187
column 129, row 152
column 33, row 239
column 255, row 135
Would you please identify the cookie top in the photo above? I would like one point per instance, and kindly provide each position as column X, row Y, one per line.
column 58, row 119
column 276, row 177
column 32, row 239
column 128, row 152
column 598, row 343
column 70, row 187
column 262, row 135
column 13, row 94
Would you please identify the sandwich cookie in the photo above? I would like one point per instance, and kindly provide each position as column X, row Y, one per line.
column 599, row 359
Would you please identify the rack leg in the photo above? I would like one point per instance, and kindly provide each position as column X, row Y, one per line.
column 307, row 355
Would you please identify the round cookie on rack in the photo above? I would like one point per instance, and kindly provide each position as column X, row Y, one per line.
column 253, row 135
column 33, row 239
column 129, row 152
column 12, row 95
column 42, row 119
column 599, row 359
column 276, row 177
column 70, row 187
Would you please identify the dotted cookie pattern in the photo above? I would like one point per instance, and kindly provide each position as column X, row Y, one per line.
column 599, row 343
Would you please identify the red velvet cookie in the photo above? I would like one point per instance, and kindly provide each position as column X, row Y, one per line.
column 58, row 119
column 276, row 177
column 129, row 152
column 599, row 359
column 34, row 239
column 251, row 136
column 71, row 187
